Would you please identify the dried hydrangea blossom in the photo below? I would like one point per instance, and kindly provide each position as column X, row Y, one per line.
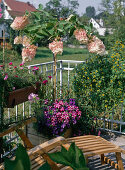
column 28, row 53
column 96, row 46
column 81, row 36
column 18, row 40
column 56, row 47
column 26, row 41
column 19, row 23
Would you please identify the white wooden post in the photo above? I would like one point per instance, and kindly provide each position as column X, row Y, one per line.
column 68, row 74
column 61, row 77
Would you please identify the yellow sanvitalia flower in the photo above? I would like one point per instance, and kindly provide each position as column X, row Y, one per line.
column 105, row 105
column 103, row 95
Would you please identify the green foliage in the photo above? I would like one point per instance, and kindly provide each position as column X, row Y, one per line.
column 45, row 166
column 114, row 19
column 57, row 8
column 100, row 82
column 46, row 28
column 73, row 157
column 21, row 161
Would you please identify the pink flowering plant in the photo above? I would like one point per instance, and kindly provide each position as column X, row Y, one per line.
column 21, row 76
column 59, row 116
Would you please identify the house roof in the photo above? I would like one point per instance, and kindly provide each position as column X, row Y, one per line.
column 21, row 7
column 14, row 14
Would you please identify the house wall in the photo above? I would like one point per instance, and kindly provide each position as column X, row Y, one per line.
column 101, row 31
column 8, row 8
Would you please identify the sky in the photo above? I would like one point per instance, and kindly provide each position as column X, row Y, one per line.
column 82, row 4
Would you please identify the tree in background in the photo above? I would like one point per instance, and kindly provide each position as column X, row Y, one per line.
column 62, row 9
column 90, row 12
column 115, row 19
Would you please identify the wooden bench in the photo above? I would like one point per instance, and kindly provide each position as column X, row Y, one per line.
column 89, row 144
column 95, row 145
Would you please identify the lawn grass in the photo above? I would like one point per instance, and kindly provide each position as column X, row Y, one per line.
column 45, row 55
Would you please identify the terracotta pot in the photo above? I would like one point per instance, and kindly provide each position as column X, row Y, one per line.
column 21, row 95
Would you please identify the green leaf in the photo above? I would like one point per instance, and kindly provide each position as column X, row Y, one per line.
column 72, row 31
column 40, row 7
column 37, row 15
column 45, row 166
column 21, row 161
column 73, row 157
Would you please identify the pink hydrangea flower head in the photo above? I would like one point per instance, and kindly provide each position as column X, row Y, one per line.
column 10, row 64
column 33, row 97
column 81, row 36
column 18, row 40
column 96, row 46
column 28, row 53
column 56, row 47
column 26, row 41
column 1, row 15
column 19, row 23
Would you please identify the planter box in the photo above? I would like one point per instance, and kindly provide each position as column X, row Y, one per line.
column 21, row 95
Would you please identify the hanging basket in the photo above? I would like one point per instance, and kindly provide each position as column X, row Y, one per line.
column 21, row 95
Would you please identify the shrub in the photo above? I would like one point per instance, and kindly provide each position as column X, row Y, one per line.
column 100, row 82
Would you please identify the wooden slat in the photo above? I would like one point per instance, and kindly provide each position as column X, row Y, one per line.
column 99, row 152
column 46, row 146
column 17, row 126
column 25, row 139
column 38, row 162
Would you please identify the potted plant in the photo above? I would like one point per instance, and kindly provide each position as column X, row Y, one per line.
column 57, row 118
column 19, row 82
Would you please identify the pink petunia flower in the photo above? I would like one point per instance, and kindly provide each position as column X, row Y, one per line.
column 1, row 15
column 56, row 47
column 33, row 97
column 10, row 64
column 15, row 67
column 0, row 9
column 6, row 77
column 45, row 82
column 19, row 23
column 81, row 35
column 49, row 77
column 13, row 88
